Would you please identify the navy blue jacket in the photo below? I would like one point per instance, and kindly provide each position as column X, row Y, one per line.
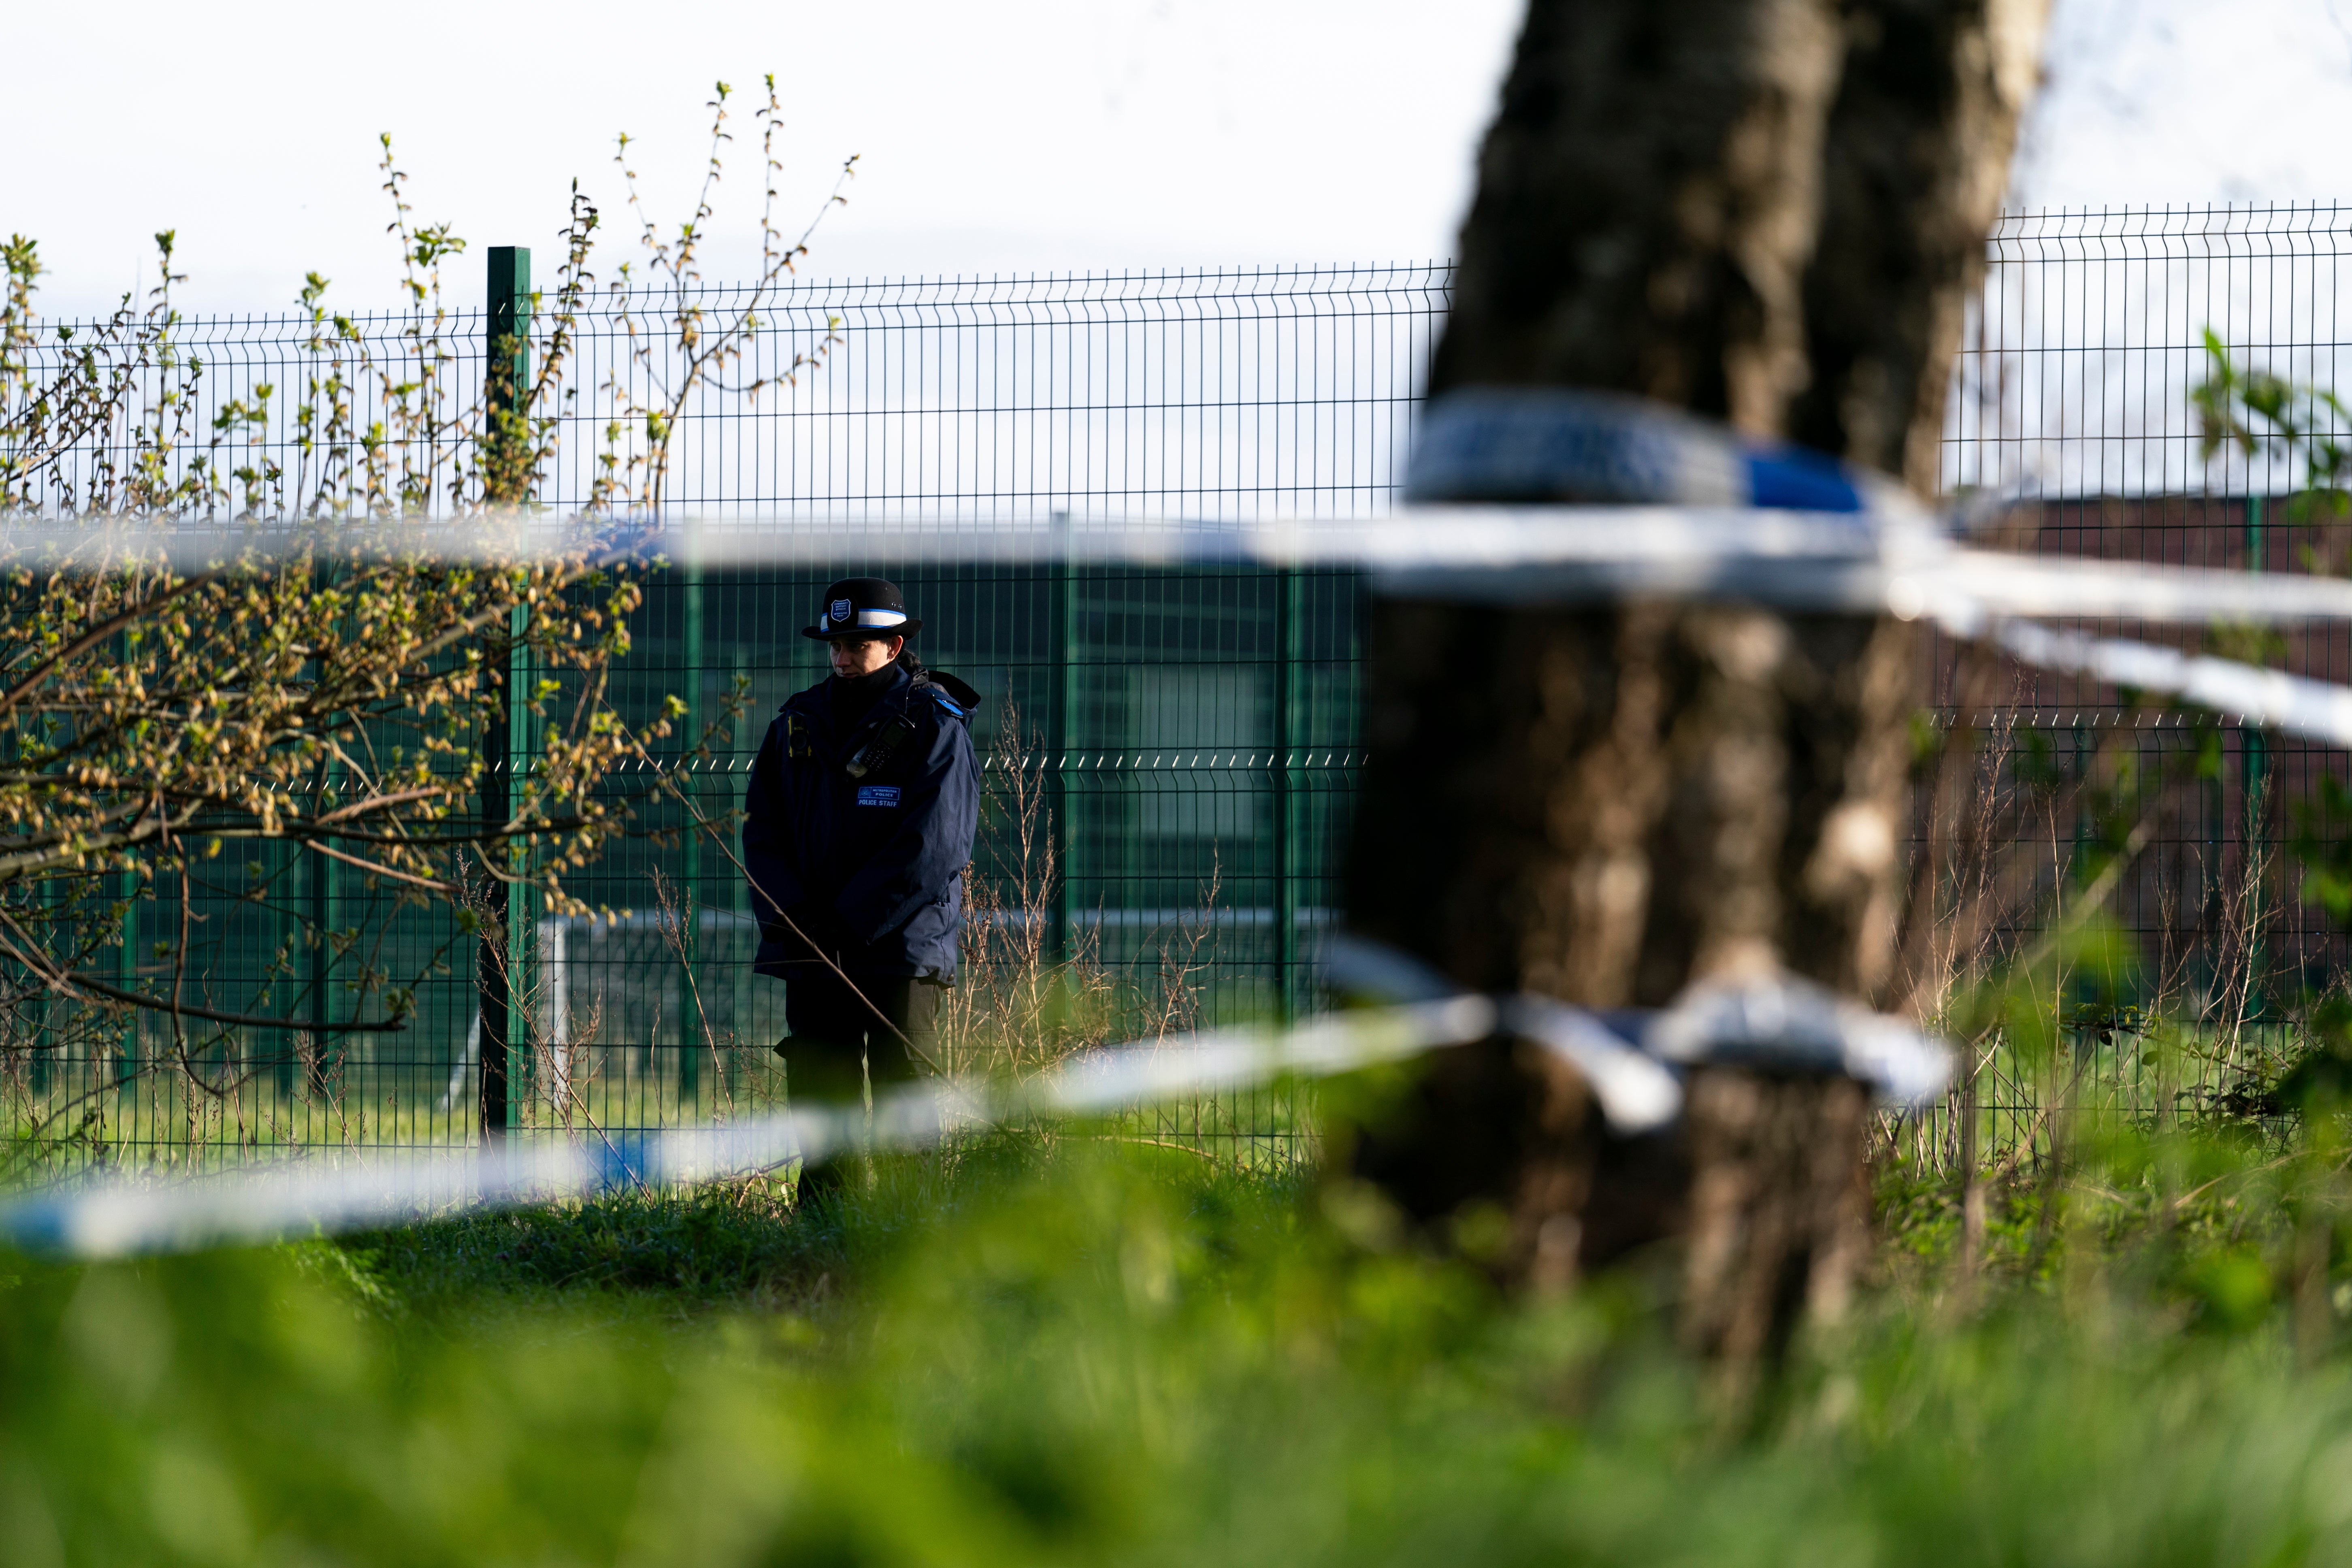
column 870, row 867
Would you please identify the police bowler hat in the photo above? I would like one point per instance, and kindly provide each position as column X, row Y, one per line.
column 861, row 608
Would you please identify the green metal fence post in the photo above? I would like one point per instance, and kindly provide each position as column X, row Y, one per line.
column 502, row 980
column 2253, row 757
column 506, row 349
column 522, row 931
column 503, row 947
column 1287, row 863
column 491, row 973
column 322, row 899
column 125, row 885
column 690, row 1039
column 1059, row 721
column 322, row 891
column 323, row 888
column 739, row 898
column 282, row 937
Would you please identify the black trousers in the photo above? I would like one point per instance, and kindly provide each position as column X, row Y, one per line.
column 834, row 1031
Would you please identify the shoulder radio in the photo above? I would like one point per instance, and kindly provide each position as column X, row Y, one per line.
column 876, row 755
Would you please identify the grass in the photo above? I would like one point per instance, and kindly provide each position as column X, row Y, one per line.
column 1089, row 1352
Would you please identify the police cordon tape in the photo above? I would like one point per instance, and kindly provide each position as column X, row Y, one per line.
column 1506, row 555
column 1630, row 1060
column 1901, row 560
column 2315, row 710
column 1574, row 498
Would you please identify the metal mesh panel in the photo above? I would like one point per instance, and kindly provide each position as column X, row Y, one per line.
column 2073, row 394
column 1221, row 394
column 1185, row 738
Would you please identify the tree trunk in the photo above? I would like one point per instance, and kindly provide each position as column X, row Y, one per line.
column 1605, row 804
column 1770, row 212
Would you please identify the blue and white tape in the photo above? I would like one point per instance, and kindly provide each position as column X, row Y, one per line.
column 1634, row 1080
column 1565, row 446
column 1688, row 512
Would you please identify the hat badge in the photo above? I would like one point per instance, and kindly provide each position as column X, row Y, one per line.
column 840, row 609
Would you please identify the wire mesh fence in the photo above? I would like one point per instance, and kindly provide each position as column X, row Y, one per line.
column 2074, row 395
column 1170, row 752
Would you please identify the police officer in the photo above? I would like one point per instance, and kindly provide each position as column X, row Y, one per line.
column 857, row 829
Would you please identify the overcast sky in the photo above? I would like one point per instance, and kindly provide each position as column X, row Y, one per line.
column 1026, row 135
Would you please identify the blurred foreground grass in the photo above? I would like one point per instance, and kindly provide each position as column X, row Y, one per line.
column 1113, row 1354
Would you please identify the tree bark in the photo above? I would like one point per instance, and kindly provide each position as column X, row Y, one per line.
column 1770, row 212
column 1603, row 805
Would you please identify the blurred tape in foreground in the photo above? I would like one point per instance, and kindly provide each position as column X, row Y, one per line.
column 1632, row 1060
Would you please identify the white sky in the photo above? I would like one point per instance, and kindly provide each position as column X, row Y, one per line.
column 1025, row 136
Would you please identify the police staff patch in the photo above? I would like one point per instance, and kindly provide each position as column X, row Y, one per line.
column 877, row 794
column 840, row 609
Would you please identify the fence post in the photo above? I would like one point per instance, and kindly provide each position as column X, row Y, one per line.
column 504, row 944
column 1287, row 861
column 126, row 959
column 2254, row 761
column 742, row 926
column 689, row 1060
column 281, row 933
column 502, row 979
column 322, row 891
column 1060, row 700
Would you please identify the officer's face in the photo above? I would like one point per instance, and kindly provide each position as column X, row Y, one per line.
column 862, row 656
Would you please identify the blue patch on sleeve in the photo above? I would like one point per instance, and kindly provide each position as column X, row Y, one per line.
column 877, row 794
